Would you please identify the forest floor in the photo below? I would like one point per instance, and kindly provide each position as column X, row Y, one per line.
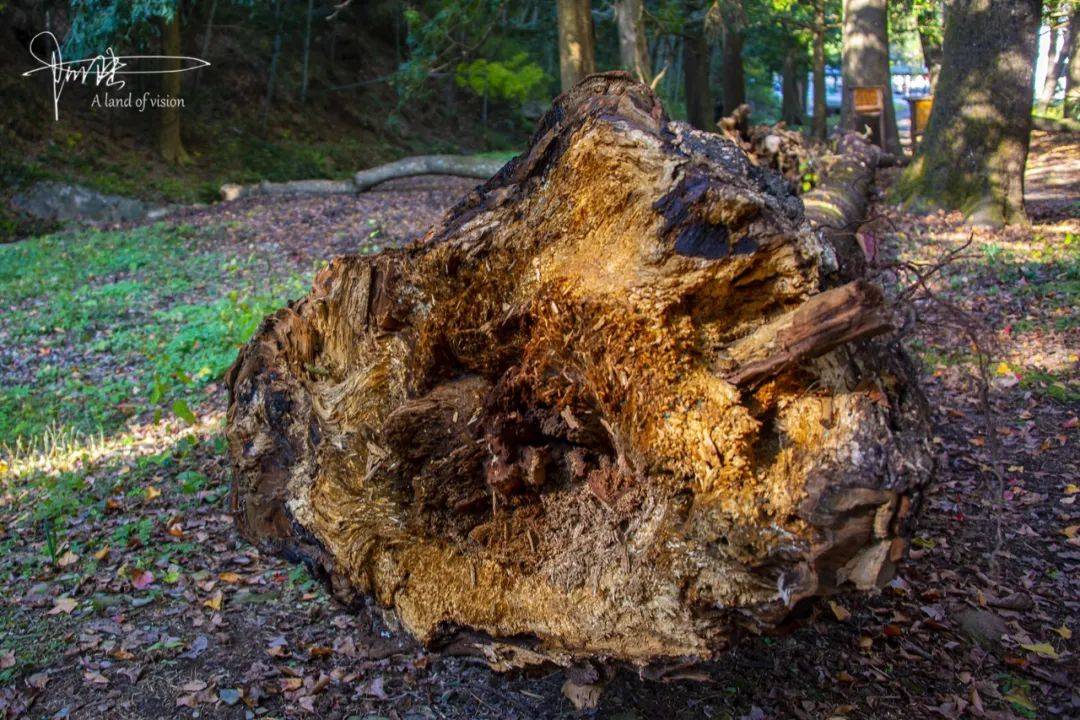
column 126, row 593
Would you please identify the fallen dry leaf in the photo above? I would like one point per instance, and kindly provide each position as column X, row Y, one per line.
column 1045, row 650
column 63, row 605
column 839, row 611
column 214, row 601
column 140, row 579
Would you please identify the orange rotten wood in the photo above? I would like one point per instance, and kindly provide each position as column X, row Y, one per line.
column 620, row 404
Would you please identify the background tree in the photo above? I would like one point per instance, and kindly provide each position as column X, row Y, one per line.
column 633, row 45
column 577, row 46
column 1072, row 81
column 732, row 16
column 700, row 111
column 95, row 25
column 170, row 143
column 866, row 62
column 793, row 86
column 819, row 28
column 973, row 154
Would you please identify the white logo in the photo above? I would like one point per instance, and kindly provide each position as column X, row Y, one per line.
column 104, row 69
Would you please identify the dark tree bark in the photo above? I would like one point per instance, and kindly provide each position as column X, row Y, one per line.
column 170, row 144
column 620, row 402
column 821, row 110
column 866, row 62
column 792, row 110
column 207, row 34
column 700, row 111
column 973, row 155
column 1072, row 81
column 733, row 74
column 633, row 45
column 577, row 47
column 275, row 53
column 307, row 50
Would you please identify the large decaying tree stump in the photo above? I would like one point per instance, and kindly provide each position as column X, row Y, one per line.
column 619, row 403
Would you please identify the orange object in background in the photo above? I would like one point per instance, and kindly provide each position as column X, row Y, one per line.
column 920, row 116
column 869, row 101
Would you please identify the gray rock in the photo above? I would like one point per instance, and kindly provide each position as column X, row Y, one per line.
column 984, row 627
column 62, row 201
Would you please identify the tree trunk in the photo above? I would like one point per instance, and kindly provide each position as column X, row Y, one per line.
column 1045, row 96
column 618, row 403
column 1057, row 69
column 633, row 46
column 473, row 166
column 866, row 62
column 271, row 77
column 699, row 103
column 170, row 143
column 733, row 77
column 792, row 111
column 1072, row 81
column 973, row 154
column 821, row 110
column 577, row 53
column 307, row 50
column 207, row 34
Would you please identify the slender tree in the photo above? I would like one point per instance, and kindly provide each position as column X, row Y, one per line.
column 820, row 109
column 866, row 62
column 792, row 88
column 307, row 50
column 206, row 40
column 733, row 73
column 633, row 45
column 973, row 154
column 577, row 48
column 1054, row 49
column 271, row 77
column 170, row 143
column 699, row 105
column 1072, row 80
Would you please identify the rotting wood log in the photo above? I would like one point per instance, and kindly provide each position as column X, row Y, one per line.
column 471, row 166
column 460, row 165
column 837, row 207
column 619, row 405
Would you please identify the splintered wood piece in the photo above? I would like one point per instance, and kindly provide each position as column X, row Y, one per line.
column 621, row 404
column 850, row 312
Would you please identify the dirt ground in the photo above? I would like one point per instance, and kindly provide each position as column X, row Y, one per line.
column 979, row 622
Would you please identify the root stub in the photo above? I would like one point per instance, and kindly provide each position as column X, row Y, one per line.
column 619, row 403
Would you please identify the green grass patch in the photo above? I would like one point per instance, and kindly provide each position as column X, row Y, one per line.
column 114, row 323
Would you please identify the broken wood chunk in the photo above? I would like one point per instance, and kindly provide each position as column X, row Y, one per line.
column 620, row 404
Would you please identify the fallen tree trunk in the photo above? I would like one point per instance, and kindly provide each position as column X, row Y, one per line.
column 459, row 165
column 472, row 166
column 619, row 403
column 837, row 207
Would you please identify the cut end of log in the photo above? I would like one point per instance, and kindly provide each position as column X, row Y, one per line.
column 610, row 406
